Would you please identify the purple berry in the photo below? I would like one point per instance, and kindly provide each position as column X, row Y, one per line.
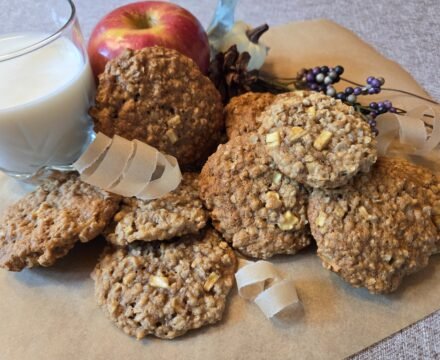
column 381, row 110
column 392, row 110
column 314, row 87
column 371, row 91
column 357, row 91
column 370, row 80
column 339, row 69
column 388, row 104
column 372, row 123
column 375, row 131
column 340, row 96
column 376, row 90
column 324, row 69
column 373, row 105
column 316, row 70
column 380, row 104
column 310, row 77
column 376, row 83
column 349, row 90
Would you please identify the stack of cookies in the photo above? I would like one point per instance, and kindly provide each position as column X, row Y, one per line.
column 165, row 270
column 303, row 166
column 297, row 168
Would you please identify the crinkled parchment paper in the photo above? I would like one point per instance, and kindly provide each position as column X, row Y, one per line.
column 51, row 313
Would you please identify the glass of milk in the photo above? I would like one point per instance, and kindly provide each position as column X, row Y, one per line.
column 46, row 86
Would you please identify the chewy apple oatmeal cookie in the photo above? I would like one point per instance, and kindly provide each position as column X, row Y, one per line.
column 178, row 213
column 44, row 225
column 259, row 210
column 317, row 140
column 375, row 230
column 166, row 288
column 160, row 97
column 429, row 183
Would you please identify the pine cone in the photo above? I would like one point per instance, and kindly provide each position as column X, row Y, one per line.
column 228, row 71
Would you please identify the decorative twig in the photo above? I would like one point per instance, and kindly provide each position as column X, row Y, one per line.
column 396, row 90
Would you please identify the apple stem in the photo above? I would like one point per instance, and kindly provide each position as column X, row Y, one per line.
column 255, row 34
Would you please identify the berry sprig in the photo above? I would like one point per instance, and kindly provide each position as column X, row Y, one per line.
column 228, row 71
column 374, row 109
column 323, row 78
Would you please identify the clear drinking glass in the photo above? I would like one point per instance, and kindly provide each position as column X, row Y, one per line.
column 46, row 86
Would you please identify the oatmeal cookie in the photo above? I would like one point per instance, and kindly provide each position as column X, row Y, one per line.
column 160, row 97
column 256, row 208
column 178, row 213
column 317, row 140
column 375, row 230
column 165, row 289
column 45, row 224
column 430, row 187
column 242, row 111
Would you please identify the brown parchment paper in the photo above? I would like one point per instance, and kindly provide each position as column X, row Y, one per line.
column 51, row 313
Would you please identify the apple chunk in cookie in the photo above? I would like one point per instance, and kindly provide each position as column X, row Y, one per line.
column 166, row 288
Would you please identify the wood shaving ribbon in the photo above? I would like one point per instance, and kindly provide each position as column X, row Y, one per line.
column 128, row 168
column 421, row 133
column 260, row 281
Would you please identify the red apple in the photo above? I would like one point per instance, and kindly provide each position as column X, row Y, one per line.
column 148, row 23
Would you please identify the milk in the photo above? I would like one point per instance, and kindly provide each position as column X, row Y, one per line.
column 44, row 98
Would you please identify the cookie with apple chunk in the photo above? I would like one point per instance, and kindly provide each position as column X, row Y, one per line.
column 160, row 97
column 260, row 211
column 163, row 288
column 379, row 228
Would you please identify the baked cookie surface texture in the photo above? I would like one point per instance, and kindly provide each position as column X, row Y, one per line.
column 160, row 97
column 178, row 213
column 46, row 223
column 166, row 288
column 242, row 112
column 317, row 140
column 260, row 211
column 376, row 230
